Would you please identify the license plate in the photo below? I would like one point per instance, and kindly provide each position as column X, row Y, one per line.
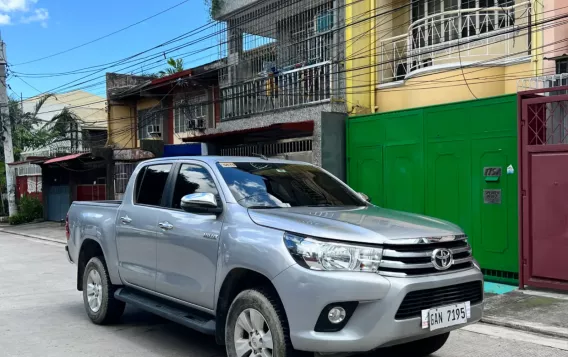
column 446, row 316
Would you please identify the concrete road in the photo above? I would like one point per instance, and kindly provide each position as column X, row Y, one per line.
column 41, row 314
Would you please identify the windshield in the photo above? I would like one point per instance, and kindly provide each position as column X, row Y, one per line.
column 275, row 185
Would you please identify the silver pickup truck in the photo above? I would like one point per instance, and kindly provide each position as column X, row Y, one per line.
column 274, row 258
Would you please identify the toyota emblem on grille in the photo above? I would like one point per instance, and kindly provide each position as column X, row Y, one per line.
column 442, row 259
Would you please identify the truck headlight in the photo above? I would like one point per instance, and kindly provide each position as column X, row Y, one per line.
column 317, row 254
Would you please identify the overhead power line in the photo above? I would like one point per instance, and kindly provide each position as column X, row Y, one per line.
column 102, row 37
column 534, row 24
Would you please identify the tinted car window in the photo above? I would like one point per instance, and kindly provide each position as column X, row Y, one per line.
column 192, row 179
column 272, row 185
column 151, row 184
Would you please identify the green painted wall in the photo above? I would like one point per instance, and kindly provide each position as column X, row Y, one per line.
column 430, row 161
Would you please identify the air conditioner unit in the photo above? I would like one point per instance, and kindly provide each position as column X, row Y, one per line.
column 200, row 124
column 194, row 124
column 154, row 131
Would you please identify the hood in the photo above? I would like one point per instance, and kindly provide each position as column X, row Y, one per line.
column 362, row 224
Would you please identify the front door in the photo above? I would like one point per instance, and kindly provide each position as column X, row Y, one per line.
column 137, row 224
column 188, row 243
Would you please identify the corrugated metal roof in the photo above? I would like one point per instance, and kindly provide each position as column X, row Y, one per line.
column 65, row 158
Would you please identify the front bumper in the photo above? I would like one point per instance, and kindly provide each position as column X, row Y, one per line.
column 304, row 293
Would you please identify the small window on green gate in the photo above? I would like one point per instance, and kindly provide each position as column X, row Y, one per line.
column 151, row 183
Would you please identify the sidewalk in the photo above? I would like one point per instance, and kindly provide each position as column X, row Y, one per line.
column 50, row 231
column 532, row 311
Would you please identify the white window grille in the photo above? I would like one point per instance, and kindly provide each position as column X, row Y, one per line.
column 437, row 21
column 444, row 31
column 34, row 184
column 188, row 110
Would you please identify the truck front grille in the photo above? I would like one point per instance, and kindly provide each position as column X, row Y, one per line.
column 407, row 260
column 416, row 301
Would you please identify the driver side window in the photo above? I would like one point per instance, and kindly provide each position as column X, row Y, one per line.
column 192, row 179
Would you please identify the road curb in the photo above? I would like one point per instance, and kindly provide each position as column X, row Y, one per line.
column 540, row 329
column 33, row 236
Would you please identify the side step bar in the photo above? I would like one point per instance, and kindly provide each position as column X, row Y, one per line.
column 183, row 316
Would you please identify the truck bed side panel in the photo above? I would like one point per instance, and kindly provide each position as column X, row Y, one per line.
column 95, row 221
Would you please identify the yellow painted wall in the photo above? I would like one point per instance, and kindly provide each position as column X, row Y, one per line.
column 449, row 87
column 146, row 103
column 362, row 65
column 357, row 53
column 120, row 127
column 122, row 123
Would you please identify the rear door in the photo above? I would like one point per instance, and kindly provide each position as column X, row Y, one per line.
column 187, row 248
column 137, row 225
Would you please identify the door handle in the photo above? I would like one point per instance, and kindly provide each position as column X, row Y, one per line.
column 165, row 225
column 125, row 220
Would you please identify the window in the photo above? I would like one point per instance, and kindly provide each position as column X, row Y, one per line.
column 150, row 184
column 150, row 123
column 562, row 66
column 270, row 185
column 194, row 108
column 192, row 179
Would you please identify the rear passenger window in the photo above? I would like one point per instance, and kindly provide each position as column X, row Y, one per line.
column 151, row 184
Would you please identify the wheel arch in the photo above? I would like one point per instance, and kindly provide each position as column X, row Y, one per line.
column 89, row 248
column 236, row 281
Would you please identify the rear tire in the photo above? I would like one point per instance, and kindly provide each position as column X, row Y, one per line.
column 420, row 348
column 256, row 323
column 98, row 294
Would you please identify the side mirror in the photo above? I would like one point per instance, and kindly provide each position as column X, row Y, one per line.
column 200, row 203
column 365, row 197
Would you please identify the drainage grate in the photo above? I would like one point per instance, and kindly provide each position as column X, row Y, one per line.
column 500, row 274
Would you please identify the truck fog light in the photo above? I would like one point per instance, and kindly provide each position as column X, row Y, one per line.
column 336, row 315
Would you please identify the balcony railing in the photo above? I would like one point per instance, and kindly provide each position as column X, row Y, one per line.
column 55, row 151
column 298, row 87
column 484, row 34
column 544, row 82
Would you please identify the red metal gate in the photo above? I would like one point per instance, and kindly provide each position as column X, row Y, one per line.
column 543, row 144
column 29, row 186
column 91, row 192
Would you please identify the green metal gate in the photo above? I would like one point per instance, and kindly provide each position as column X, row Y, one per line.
column 448, row 161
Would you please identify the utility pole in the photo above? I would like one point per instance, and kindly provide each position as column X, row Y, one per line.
column 8, row 149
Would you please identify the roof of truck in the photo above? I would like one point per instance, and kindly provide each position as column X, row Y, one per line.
column 216, row 159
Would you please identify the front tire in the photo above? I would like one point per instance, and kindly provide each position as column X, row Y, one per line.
column 256, row 327
column 98, row 294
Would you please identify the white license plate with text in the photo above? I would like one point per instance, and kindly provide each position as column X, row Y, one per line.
column 446, row 316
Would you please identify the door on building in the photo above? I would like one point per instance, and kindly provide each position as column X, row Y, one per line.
column 187, row 262
column 58, row 202
column 544, row 209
